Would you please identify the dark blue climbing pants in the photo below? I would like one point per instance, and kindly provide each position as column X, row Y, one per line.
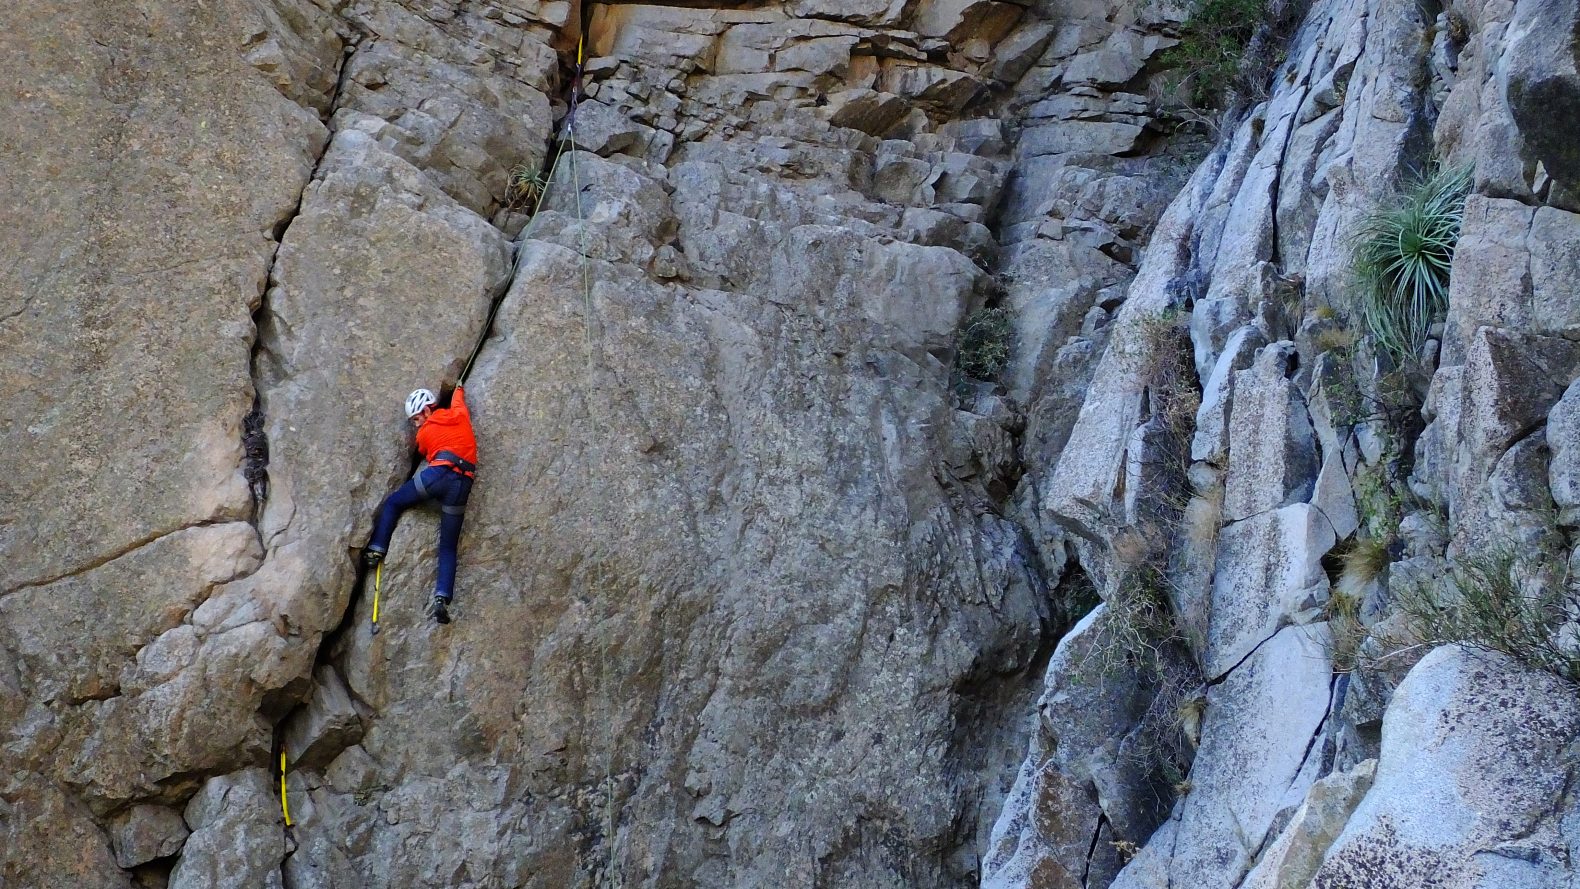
column 443, row 486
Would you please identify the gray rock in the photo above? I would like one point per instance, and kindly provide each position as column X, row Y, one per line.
column 1292, row 859
column 1080, row 137
column 953, row 19
column 1269, row 575
column 1272, row 446
column 1079, row 495
column 1543, row 86
column 1511, row 381
column 1466, row 788
column 867, row 110
column 79, row 284
column 1259, row 735
column 1518, row 482
column 327, row 724
column 1563, row 436
column 1044, row 832
column 1211, row 439
column 144, row 833
column 237, row 835
column 603, row 130
column 750, row 592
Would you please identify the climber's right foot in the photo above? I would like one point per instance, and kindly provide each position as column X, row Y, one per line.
column 372, row 557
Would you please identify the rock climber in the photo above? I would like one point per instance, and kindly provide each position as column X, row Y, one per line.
column 444, row 437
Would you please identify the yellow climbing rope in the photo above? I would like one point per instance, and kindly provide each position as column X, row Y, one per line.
column 378, row 577
column 285, row 807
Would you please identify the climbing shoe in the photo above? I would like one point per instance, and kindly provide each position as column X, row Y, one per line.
column 372, row 557
column 440, row 609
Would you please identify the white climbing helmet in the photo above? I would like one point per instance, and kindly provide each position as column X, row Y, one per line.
column 417, row 400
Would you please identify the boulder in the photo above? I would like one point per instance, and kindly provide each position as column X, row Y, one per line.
column 1470, row 781
column 143, row 833
column 238, row 837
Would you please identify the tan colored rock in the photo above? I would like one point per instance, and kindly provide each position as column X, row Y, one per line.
column 1293, row 859
column 50, row 841
column 156, row 324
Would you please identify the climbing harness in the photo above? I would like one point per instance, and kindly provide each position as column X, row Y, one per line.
column 285, row 807
column 454, row 461
column 378, row 576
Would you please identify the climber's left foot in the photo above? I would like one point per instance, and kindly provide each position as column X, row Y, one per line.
column 440, row 609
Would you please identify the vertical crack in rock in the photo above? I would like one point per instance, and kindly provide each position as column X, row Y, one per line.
column 255, row 441
column 1091, row 850
column 1278, row 180
column 1316, row 734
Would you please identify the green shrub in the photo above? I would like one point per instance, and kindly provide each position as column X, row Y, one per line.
column 1496, row 600
column 985, row 343
column 1402, row 256
column 1212, row 42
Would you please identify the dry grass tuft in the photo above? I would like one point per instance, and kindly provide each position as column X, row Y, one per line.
column 1501, row 600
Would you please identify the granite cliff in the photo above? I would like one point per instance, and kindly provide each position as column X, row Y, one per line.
column 762, row 584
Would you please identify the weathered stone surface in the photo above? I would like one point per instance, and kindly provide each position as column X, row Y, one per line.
column 603, row 130
column 1544, row 84
column 237, row 835
column 465, row 128
column 133, row 321
column 1272, row 447
column 1258, row 738
column 867, row 110
column 1563, row 436
column 1044, row 835
column 752, row 591
column 1269, row 574
column 50, row 840
column 1292, row 860
column 1471, row 766
column 1511, row 381
column 327, row 724
column 1080, row 494
column 144, row 833
column 1083, row 137
column 1211, row 439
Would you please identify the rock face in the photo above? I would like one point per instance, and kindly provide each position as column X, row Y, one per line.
column 758, row 586
column 1473, row 756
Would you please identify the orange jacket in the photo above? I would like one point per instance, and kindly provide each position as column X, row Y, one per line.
column 450, row 430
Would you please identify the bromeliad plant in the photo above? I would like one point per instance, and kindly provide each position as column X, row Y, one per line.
column 526, row 187
column 1402, row 256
